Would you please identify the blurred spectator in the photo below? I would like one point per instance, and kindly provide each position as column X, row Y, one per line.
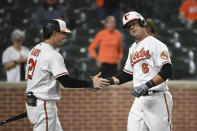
column 188, row 10
column 150, row 28
column 14, row 57
column 100, row 9
column 49, row 10
column 108, row 7
column 110, row 52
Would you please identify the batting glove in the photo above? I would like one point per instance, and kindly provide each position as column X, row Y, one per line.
column 139, row 90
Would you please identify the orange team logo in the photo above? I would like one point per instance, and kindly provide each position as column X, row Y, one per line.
column 164, row 55
column 126, row 16
column 139, row 56
column 35, row 52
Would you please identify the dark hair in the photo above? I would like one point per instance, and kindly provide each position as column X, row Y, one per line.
column 49, row 27
column 151, row 25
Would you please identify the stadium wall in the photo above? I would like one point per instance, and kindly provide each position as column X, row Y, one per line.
column 104, row 110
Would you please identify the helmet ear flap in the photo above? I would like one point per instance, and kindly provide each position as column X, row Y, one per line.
column 142, row 23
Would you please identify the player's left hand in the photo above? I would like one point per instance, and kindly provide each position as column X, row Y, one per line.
column 139, row 90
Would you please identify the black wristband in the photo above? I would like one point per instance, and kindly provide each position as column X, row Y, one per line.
column 90, row 82
column 111, row 80
column 15, row 62
column 150, row 83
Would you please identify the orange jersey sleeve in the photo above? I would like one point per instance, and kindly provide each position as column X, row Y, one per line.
column 184, row 7
column 94, row 45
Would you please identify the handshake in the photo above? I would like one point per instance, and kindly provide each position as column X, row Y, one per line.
column 98, row 82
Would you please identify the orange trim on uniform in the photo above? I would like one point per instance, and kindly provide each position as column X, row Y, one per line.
column 127, row 71
column 45, row 109
column 167, row 110
column 61, row 74
column 139, row 61
column 66, row 31
column 165, row 63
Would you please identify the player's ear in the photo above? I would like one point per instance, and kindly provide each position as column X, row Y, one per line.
column 54, row 33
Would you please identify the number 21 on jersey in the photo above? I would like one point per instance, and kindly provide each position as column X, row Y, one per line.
column 31, row 68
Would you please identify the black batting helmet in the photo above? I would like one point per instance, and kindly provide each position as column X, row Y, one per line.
column 54, row 25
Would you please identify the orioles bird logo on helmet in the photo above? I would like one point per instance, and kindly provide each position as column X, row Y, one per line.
column 126, row 16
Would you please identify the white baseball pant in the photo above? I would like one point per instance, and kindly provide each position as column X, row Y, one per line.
column 151, row 113
column 44, row 116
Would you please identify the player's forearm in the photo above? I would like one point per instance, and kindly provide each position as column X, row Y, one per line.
column 163, row 75
column 158, row 80
column 116, row 81
column 69, row 82
column 120, row 78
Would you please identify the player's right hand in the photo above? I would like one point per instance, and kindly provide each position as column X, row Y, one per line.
column 100, row 82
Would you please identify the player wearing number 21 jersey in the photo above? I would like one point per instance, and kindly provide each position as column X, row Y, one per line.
column 45, row 70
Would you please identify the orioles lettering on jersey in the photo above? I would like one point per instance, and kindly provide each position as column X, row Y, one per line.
column 35, row 52
column 139, row 56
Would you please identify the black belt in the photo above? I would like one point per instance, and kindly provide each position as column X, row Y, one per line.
column 31, row 99
column 149, row 93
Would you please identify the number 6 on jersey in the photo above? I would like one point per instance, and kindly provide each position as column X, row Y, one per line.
column 32, row 65
column 145, row 68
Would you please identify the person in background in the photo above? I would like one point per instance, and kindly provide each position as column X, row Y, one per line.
column 100, row 10
column 110, row 52
column 150, row 28
column 188, row 10
column 49, row 10
column 14, row 57
column 108, row 7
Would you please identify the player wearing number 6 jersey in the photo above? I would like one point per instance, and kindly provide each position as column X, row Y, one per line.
column 45, row 69
column 149, row 66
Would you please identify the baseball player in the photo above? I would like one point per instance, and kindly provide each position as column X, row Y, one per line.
column 149, row 66
column 45, row 69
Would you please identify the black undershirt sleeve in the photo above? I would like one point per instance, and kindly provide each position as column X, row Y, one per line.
column 124, row 77
column 69, row 82
column 166, row 71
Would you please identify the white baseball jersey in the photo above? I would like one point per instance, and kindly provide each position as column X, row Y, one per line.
column 145, row 60
column 10, row 55
column 44, row 65
column 149, row 113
